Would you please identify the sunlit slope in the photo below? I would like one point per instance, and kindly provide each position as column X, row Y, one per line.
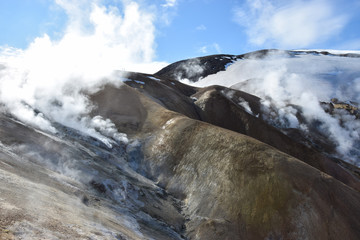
column 233, row 186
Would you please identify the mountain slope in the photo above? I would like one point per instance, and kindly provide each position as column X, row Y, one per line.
column 219, row 173
column 214, row 106
column 195, row 163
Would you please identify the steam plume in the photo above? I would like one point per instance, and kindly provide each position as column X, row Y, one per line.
column 45, row 82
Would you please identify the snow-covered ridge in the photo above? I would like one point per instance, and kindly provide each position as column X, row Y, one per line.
column 303, row 78
column 331, row 51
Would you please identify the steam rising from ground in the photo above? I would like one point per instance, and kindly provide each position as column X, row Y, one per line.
column 46, row 81
column 191, row 69
column 302, row 80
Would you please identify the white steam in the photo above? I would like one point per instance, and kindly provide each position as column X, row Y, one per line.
column 46, row 81
column 302, row 80
column 189, row 69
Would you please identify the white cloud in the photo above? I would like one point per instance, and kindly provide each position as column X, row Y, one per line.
column 169, row 3
column 217, row 47
column 289, row 24
column 201, row 27
column 211, row 48
column 203, row 49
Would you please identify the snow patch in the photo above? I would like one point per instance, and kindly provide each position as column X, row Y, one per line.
column 154, row 78
column 169, row 122
column 132, row 80
column 139, row 82
column 331, row 51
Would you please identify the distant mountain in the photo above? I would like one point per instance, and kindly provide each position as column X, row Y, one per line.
column 155, row 158
column 196, row 68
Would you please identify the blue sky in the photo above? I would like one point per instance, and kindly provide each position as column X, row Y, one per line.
column 179, row 29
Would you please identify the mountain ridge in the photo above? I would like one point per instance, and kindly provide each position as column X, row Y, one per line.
column 215, row 63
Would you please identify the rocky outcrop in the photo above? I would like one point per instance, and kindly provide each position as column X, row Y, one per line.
column 332, row 106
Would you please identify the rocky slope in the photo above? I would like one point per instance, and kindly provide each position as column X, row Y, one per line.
column 198, row 164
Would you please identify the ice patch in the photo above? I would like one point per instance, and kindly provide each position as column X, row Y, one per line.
column 154, row 78
column 331, row 51
column 139, row 82
column 132, row 80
